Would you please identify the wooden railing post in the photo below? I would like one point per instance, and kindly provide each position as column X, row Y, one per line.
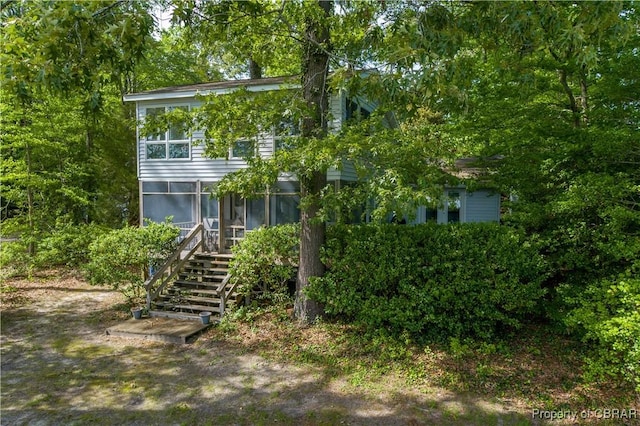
column 172, row 265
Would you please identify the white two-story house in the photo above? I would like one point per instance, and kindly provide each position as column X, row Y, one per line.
column 175, row 176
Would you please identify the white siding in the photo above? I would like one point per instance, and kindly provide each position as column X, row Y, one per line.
column 338, row 114
column 198, row 167
column 347, row 173
column 482, row 206
column 265, row 147
column 337, row 108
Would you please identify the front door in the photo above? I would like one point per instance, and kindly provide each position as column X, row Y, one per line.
column 234, row 219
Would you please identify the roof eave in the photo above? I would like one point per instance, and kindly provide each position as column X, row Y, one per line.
column 186, row 94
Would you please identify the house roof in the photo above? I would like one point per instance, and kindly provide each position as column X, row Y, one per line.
column 473, row 167
column 191, row 90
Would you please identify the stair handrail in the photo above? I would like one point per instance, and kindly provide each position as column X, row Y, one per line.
column 224, row 295
column 159, row 275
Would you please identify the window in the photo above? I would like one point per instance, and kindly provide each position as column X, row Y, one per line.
column 172, row 144
column 284, row 134
column 431, row 214
column 355, row 111
column 453, row 207
column 242, row 149
column 284, row 203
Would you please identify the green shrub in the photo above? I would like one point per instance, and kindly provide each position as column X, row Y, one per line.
column 608, row 316
column 64, row 245
column 431, row 281
column 120, row 258
column 68, row 245
column 14, row 258
column 265, row 261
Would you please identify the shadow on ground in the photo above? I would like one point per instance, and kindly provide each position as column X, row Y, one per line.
column 58, row 367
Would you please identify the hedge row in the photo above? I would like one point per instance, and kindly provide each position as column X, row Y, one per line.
column 431, row 281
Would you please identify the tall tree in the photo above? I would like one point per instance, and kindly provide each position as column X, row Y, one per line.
column 284, row 38
column 315, row 69
column 63, row 64
column 327, row 44
column 546, row 102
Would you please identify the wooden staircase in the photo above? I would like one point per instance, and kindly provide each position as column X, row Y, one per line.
column 191, row 281
column 202, row 284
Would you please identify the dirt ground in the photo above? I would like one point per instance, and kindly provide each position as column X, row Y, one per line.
column 59, row 367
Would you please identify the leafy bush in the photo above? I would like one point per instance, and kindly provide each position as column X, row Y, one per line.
column 608, row 315
column 14, row 258
column 593, row 247
column 266, row 260
column 431, row 281
column 120, row 258
column 65, row 245
column 68, row 245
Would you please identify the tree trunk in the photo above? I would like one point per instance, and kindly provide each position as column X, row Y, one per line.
column 314, row 125
column 255, row 70
column 573, row 106
column 584, row 95
column 31, row 248
column 312, row 237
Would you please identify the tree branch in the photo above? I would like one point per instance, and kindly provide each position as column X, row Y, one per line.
column 584, row 94
column 105, row 9
column 6, row 3
column 562, row 75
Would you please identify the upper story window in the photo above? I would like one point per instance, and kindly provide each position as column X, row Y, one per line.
column 172, row 144
column 283, row 134
column 243, row 148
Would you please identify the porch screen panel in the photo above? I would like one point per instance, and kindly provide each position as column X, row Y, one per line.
column 182, row 187
column 157, row 207
column 210, row 211
column 284, row 203
column 154, row 187
column 255, row 213
column 284, row 209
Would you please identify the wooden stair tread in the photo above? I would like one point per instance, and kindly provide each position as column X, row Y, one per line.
column 191, row 291
column 192, row 281
column 214, row 255
column 188, row 283
column 207, row 268
column 193, row 298
column 208, row 260
column 214, row 272
column 198, row 308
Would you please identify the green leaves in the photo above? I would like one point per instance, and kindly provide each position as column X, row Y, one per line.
column 66, row 46
column 608, row 314
column 265, row 261
column 121, row 257
column 432, row 281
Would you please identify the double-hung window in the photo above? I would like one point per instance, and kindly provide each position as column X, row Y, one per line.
column 172, row 144
column 243, row 148
column 284, row 134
